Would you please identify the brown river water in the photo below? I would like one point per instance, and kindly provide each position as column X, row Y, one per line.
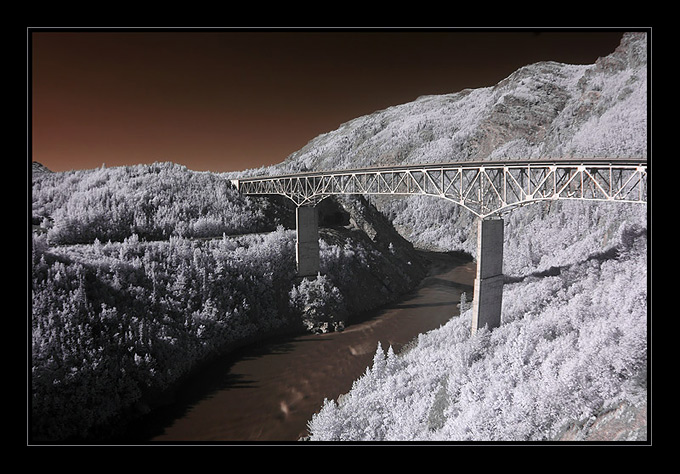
column 267, row 392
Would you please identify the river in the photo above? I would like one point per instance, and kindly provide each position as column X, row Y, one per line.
column 268, row 391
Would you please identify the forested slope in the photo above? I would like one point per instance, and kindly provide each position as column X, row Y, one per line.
column 139, row 274
column 572, row 346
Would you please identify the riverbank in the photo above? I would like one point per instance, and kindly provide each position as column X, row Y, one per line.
column 267, row 391
column 569, row 362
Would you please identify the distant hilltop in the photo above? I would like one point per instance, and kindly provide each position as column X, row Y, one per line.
column 40, row 168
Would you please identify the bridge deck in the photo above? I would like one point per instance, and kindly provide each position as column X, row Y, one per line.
column 484, row 188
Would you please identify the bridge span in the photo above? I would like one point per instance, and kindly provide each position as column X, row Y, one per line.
column 487, row 189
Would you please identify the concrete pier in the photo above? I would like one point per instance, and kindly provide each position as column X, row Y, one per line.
column 307, row 249
column 488, row 292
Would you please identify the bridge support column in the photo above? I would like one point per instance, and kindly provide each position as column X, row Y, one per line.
column 488, row 290
column 307, row 249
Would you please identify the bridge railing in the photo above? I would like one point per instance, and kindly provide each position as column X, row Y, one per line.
column 484, row 188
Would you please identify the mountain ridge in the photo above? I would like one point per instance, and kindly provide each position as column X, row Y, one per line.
column 546, row 109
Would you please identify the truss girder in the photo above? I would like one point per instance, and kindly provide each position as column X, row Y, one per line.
column 484, row 189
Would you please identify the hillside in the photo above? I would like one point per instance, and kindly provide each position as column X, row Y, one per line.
column 570, row 360
column 141, row 274
column 546, row 110
column 543, row 110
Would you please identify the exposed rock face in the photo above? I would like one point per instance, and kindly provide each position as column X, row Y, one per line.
column 624, row 422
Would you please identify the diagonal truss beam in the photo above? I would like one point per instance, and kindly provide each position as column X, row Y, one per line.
column 484, row 188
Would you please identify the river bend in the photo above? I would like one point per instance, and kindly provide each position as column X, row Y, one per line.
column 268, row 391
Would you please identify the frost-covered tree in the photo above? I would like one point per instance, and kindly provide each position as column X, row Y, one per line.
column 319, row 303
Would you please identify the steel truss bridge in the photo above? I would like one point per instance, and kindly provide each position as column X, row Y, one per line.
column 484, row 188
column 487, row 189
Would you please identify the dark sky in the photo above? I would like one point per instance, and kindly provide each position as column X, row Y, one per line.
column 231, row 100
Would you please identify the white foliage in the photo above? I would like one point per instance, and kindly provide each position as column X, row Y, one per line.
column 577, row 350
